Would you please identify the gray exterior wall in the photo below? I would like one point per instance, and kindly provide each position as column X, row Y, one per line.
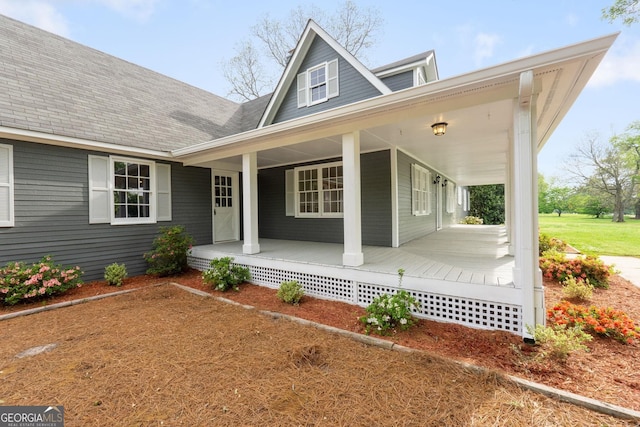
column 399, row 81
column 52, row 213
column 411, row 226
column 375, row 171
column 353, row 86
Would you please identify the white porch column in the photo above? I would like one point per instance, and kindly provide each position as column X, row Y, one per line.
column 250, row 203
column 352, row 255
column 509, row 197
column 526, row 274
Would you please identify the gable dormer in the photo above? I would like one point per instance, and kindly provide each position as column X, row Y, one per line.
column 320, row 75
column 410, row 72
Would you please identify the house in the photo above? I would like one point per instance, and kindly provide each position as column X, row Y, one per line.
column 337, row 179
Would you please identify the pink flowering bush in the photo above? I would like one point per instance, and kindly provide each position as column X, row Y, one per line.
column 20, row 282
column 170, row 249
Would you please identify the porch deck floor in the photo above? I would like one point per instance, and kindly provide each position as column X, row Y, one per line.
column 461, row 253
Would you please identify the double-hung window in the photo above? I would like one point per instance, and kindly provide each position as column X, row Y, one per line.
column 133, row 185
column 420, row 190
column 318, row 84
column 128, row 191
column 319, row 190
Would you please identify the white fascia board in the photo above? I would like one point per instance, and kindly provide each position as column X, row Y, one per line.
column 72, row 142
column 405, row 67
column 453, row 87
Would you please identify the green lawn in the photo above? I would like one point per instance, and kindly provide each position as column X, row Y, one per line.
column 599, row 236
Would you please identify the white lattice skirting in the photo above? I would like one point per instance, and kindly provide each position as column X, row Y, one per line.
column 466, row 311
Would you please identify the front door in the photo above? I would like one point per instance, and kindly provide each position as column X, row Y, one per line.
column 225, row 206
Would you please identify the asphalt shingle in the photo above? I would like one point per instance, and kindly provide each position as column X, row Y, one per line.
column 54, row 85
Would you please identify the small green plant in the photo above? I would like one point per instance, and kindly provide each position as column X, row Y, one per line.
column 469, row 219
column 578, row 289
column 387, row 312
column 290, row 292
column 115, row 274
column 558, row 341
column 170, row 250
column 223, row 275
column 20, row 282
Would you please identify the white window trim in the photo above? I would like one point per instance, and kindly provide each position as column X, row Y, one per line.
column 451, row 201
column 9, row 184
column 320, row 213
column 101, row 191
column 325, row 84
column 420, row 185
column 151, row 219
column 303, row 82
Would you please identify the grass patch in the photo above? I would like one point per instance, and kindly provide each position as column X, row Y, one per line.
column 598, row 236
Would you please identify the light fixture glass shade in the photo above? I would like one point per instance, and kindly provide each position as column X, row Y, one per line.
column 439, row 128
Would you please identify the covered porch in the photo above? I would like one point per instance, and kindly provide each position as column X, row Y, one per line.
column 461, row 274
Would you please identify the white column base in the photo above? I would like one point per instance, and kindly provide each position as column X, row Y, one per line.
column 251, row 248
column 353, row 259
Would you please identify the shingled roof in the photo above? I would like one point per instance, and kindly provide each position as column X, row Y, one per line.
column 53, row 85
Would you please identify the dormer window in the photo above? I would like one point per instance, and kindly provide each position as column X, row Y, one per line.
column 318, row 84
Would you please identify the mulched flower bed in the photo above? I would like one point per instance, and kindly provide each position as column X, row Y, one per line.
column 163, row 356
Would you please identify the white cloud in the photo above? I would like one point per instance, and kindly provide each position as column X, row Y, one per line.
column 572, row 20
column 38, row 13
column 484, row 45
column 620, row 64
column 140, row 10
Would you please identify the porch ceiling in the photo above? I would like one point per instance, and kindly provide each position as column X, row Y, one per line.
column 479, row 108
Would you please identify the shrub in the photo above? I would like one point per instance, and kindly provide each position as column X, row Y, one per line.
column 547, row 243
column 115, row 274
column 577, row 288
column 558, row 341
column 556, row 266
column 223, row 275
column 22, row 282
column 290, row 292
column 604, row 321
column 387, row 312
column 472, row 220
column 170, row 250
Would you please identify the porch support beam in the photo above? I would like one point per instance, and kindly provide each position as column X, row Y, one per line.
column 250, row 203
column 526, row 274
column 352, row 255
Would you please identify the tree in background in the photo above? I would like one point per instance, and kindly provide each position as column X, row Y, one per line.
column 605, row 168
column 487, row 202
column 254, row 71
column 627, row 10
column 629, row 146
column 543, row 189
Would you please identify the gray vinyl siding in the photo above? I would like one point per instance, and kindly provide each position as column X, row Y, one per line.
column 411, row 226
column 353, row 86
column 375, row 171
column 52, row 213
column 399, row 81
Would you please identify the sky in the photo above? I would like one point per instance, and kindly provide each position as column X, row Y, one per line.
column 190, row 39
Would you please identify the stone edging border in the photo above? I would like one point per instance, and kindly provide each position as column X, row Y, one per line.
column 565, row 396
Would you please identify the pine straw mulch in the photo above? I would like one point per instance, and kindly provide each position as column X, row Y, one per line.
column 162, row 356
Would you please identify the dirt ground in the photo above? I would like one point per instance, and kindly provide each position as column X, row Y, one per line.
column 162, row 356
